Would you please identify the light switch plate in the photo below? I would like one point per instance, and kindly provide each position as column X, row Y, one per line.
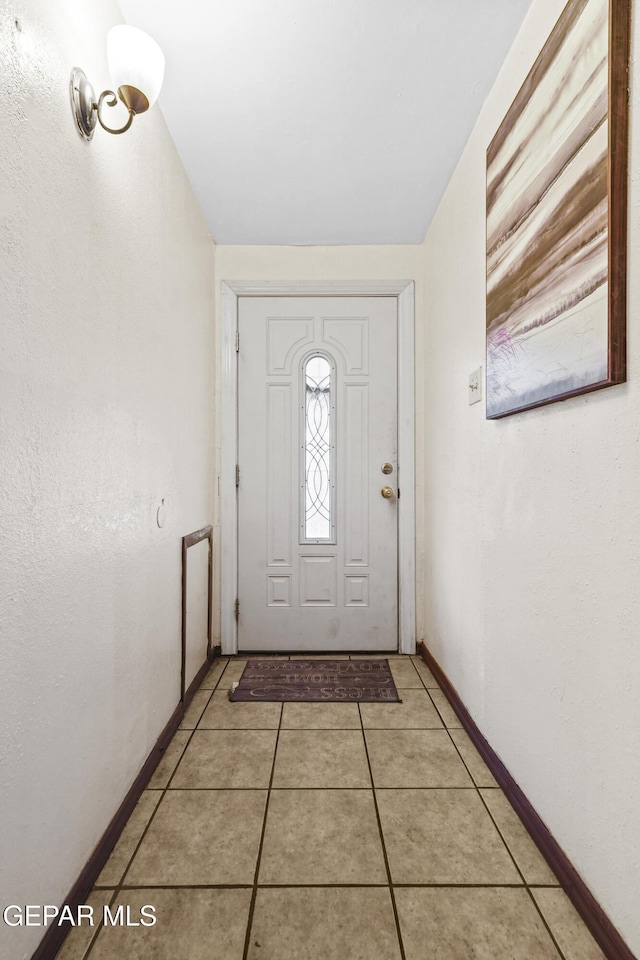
column 475, row 386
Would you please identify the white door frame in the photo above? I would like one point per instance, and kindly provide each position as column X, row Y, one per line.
column 403, row 291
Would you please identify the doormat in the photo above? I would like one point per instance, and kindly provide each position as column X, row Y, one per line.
column 353, row 681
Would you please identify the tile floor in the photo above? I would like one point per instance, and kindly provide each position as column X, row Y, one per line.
column 320, row 831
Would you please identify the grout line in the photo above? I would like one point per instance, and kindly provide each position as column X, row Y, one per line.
column 120, row 885
column 470, row 786
column 328, row 886
column 500, row 834
column 254, row 892
column 469, row 886
column 110, row 901
column 187, row 886
column 309, row 729
column 382, row 843
column 485, row 805
column 544, row 920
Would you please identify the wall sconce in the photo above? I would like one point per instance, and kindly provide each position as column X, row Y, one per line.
column 136, row 65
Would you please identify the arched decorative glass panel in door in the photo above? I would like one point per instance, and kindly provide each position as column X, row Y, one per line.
column 317, row 520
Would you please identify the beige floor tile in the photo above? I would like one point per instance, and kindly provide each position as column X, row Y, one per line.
column 442, row 836
column 415, row 758
column 415, row 712
column 445, row 709
column 322, row 836
column 79, row 938
column 235, row 669
column 472, row 924
column 214, row 674
column 194, row 710
column 476, row 765
column 118, row 862
column 201, row 837
column 267, row 656
column 228, row 759
column 566, row 925
column 338, row 923
column 524, row 851
column 191, row 925
column 377, row 656
column 320, row 716
column 222, row 714
column 404, row 674
column 425, row 674
column 321, row 758
column 162, row 773
column 319, row 656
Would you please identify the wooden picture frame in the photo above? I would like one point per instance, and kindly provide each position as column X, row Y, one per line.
column 557, row 218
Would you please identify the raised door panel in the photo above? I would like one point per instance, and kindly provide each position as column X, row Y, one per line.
column 317, row 581
column 285, row 335
column 278, row 591
column 356, row 474
column 351, row 336
column 279, row 474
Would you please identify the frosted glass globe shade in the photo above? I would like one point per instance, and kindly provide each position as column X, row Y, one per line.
column 135, row 60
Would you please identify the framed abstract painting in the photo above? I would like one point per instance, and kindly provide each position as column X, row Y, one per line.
column 556, row 218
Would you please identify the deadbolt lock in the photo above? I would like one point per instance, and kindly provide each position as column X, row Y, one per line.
column 387, row 468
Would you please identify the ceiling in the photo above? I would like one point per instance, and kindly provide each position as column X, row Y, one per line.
column 324, row 121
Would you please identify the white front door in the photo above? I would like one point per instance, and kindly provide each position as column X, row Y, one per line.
column 317, row 443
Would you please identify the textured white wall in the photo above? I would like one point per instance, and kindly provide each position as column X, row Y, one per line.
column 372, row 262
column 532, row 533
column 106, row 390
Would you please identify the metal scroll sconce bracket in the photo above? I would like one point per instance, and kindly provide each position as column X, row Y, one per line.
column 88, row 111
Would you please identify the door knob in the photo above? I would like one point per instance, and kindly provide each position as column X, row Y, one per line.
column 387, row 492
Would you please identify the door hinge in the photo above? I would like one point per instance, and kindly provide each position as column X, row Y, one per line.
column 236, row 609
column 237, row 474
column 237, row 341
